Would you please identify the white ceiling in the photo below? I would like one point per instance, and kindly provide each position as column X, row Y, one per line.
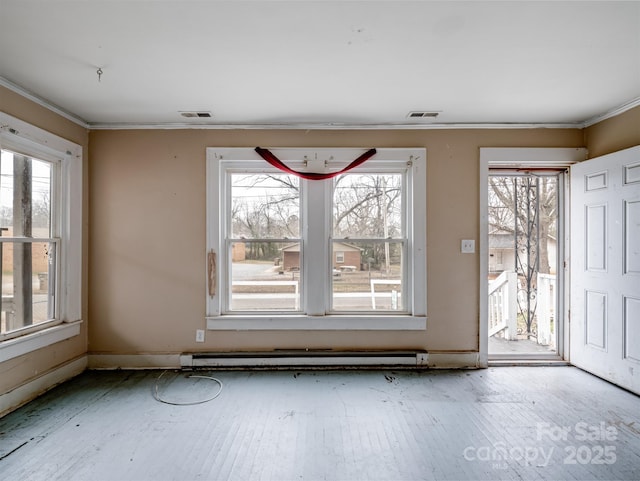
column 323, row 62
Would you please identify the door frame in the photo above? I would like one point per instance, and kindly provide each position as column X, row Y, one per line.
column 523, row 158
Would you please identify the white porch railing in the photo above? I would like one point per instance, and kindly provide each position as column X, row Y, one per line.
column 394, row 294
column 503, row 305
column 546, row 289
column 272, row 283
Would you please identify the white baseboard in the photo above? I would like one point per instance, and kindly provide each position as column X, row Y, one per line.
column 134, row 361
column 23, row 394
column 454, row 360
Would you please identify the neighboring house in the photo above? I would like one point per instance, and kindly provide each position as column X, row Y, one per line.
column 502, row 253
column 344, row 256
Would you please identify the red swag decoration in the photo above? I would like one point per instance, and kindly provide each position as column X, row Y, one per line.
column 278, row 164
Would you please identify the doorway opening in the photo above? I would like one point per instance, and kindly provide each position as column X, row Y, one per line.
column 524, row 256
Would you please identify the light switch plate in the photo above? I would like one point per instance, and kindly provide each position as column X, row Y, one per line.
column 468, row 246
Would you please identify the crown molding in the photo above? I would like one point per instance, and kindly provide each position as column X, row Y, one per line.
column 333, row 126
column 612, row 113
column 43, row 102
column 309, row 126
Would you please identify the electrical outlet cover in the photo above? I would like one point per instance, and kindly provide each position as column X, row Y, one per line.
column 199, row 335
column 468, row 246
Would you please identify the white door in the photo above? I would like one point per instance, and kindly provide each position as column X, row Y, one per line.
column 605, row 267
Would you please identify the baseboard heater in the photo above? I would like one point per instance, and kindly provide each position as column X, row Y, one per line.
column 305, row 359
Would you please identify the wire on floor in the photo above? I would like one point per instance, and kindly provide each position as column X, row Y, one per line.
column 157, row 397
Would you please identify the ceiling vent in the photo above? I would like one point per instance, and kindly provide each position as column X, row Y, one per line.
column 196, row 114
column 423, row 115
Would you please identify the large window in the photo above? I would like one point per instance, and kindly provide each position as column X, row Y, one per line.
column 40, row 233
column 343, row 253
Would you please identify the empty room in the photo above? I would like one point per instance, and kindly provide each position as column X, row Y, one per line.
column 319, row 240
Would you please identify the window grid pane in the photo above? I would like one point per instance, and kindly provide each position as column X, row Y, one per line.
column 372, row 277
column 29, row 272
column 368, row 205
column 265, row 276
column 264, row 206
column 25, row 196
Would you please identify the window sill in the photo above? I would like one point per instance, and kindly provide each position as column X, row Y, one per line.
column 37, row 340
column 316, row 323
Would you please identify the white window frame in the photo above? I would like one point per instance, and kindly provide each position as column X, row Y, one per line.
column 219, row 160
column 19, row 136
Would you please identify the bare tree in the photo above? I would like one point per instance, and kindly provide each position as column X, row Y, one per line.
column 505, row 210
column 264, row 207
column 364, row 206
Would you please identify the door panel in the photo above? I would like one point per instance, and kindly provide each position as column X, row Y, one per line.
column 632, row 329
column 605, row 267
column 595, row 318
column 632, row 237
column 596, row 237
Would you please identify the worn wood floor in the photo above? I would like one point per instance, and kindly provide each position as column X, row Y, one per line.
column 503, row 423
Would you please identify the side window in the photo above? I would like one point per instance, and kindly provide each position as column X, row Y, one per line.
column 40, row 235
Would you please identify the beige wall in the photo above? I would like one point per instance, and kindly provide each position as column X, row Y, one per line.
column 616, row 133
column 21, row 370
column 147, row 236
column 145, row 286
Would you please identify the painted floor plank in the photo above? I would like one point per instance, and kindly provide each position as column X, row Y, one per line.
column 502, row 423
